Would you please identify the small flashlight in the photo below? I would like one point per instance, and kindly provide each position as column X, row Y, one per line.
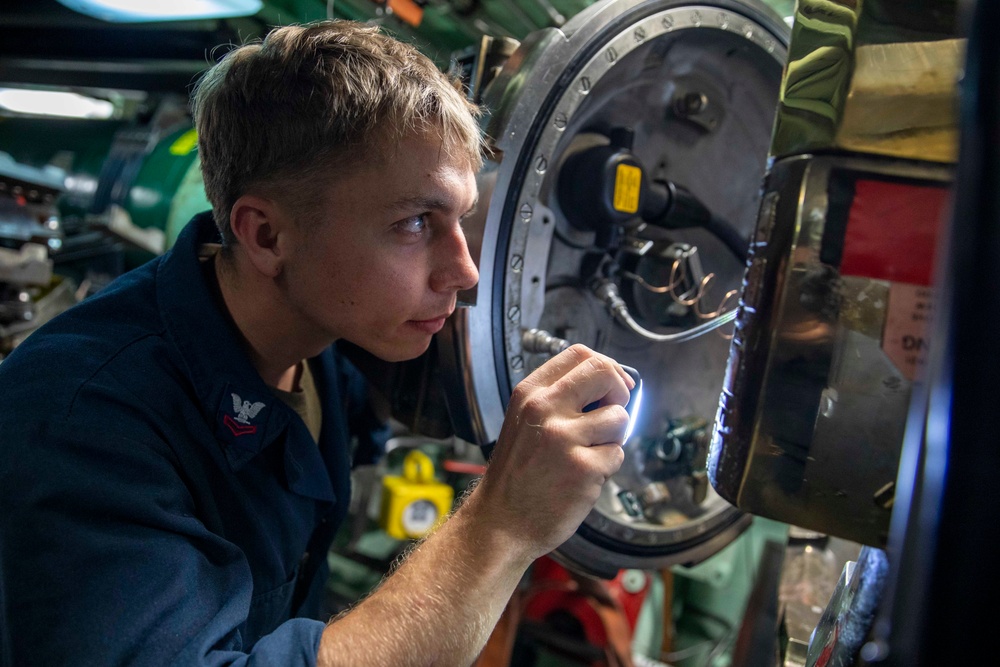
column 634, row 401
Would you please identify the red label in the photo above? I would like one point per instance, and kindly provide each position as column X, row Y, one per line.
column 892, row 231
column 237, row 428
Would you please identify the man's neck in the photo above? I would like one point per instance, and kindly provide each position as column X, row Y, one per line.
column 275, row 342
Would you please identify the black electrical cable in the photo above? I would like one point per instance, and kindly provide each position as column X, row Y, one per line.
column 672, row 206
column 729, row 235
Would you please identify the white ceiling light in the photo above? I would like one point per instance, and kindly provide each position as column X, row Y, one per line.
column 54, row 103
column 128, row 11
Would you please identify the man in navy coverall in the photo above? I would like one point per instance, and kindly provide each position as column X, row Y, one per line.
column 174, row 451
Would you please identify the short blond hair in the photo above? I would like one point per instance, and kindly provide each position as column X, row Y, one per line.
column 282, row 114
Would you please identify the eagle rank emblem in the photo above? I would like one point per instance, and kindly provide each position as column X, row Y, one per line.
column 245, row 411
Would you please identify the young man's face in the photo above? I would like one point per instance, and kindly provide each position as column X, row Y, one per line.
column 384, row 265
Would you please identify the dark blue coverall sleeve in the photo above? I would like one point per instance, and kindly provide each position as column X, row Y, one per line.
column 101, row 548
column 144, row 519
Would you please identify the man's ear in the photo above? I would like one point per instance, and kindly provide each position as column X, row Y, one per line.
column 258, row 224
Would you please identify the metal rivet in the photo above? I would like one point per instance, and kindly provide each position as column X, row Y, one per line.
column 526, row 212
column 696, row 19
column 514, row 313
column 517, row 363
column 585, row 84
column 611, row 55
column 723, row 20
column 516, row 263
column 560, row 120
column 541, row 164
column 668, row 22
column 640, row 34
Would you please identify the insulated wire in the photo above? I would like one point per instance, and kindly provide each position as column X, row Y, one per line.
column 608, row 292
column 688, row 334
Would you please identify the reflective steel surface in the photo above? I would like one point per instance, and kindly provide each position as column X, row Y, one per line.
column 825, row 356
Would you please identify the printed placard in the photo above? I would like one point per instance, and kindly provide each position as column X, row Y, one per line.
column 907, row 327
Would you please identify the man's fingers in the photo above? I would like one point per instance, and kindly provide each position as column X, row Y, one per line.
column 605, row 425
column 594, row 380
column 570, row 358
column 605, row 459
column 556, row 367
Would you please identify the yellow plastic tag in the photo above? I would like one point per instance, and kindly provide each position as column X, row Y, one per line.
column 628, row 180
column 185, row 143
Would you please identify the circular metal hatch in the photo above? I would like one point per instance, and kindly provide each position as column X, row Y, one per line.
column 687, row 93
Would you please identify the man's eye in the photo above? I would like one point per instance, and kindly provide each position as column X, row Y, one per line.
column 413, row 225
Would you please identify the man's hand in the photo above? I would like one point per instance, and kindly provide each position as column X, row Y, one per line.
column 548, row 468
column 552, row 458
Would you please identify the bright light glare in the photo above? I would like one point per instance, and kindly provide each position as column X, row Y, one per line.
column 54, row 103
column 158, row 10
column 633, row 411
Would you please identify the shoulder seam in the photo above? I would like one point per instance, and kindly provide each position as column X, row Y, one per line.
column 102, row 366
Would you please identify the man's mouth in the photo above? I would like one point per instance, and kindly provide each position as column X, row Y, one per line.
column 432, row 325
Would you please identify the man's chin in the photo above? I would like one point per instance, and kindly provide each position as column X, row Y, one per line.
column 394, row 353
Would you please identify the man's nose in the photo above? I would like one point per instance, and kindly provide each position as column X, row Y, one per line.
column 455, row 270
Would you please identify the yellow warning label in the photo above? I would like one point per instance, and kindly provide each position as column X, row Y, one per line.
column 185, row 143
column 628, row 180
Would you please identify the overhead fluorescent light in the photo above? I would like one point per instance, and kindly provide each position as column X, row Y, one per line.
column 54, row 103
column 137, row 11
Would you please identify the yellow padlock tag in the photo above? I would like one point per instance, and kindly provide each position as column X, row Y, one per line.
column 415, row 502
column 418, row 468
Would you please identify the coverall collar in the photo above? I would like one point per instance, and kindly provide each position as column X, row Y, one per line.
column 247, row 416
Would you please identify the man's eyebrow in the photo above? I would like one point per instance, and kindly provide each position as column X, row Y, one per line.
column 425, row 203
column 420, row 202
